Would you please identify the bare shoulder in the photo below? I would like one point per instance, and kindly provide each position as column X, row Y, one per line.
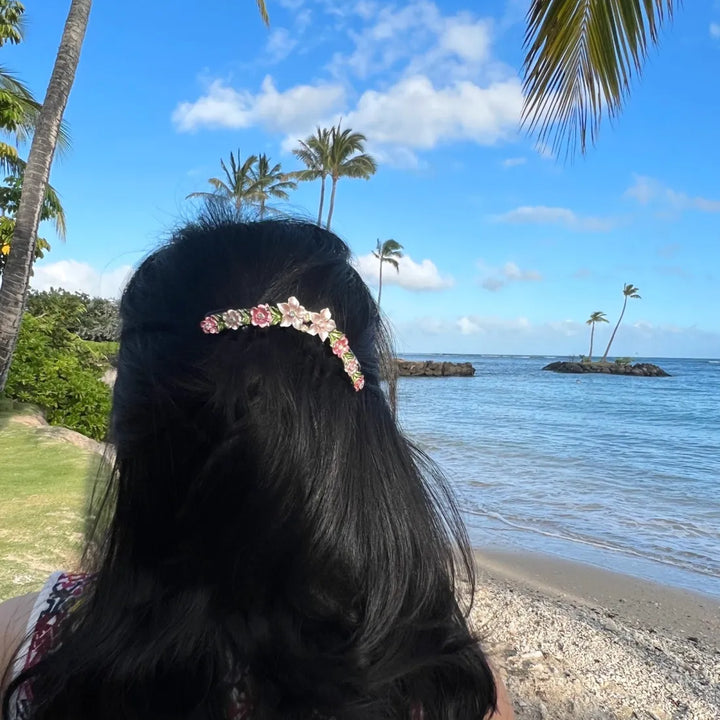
column 14, row 616
column 504, row 706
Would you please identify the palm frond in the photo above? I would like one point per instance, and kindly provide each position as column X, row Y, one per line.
column 392, row 247
column 631, row 291
column 304, row 175
column 263, row 11
column 10, row 162
column 53, row 210
column 206, row 195
column 393, row 262
column 359, row 166
column 580, row 58
column 220, row 187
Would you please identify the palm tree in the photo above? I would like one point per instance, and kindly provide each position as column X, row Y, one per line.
column 347, row 158
column 237, row 187
column 629, row 291
column 389, row 252
column 269, row 182
column 596, row 317
column 16, row 275
column 18, row 108
column 314, row 152
column 580, row 58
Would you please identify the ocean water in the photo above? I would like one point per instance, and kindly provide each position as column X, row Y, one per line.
column 619, row 472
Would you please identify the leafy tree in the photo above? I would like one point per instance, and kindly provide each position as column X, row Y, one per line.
column 347, row 158
column 46, row 132
column 96, row 319
column 314, row 152
column 71, row 392
column 101, row 322
column 9, row 201
column 268, row 183
column 237, row 187
column 580, row 58
column 48, row 128
column 596, row 317
column 389, row 252
column 629, row 291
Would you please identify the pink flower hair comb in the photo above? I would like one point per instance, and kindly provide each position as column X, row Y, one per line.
column 290, row 314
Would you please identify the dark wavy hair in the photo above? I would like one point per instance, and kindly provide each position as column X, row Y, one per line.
column 265, row 528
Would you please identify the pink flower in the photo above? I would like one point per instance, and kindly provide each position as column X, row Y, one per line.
column 232, row 318
column 351, row 366
column 260, row 316
column 293, row 314
column 322, row 324
column 209, row 325
column 340, row 346
column 359, row 383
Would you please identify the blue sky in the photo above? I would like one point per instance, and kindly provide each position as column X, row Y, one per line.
column 509, row 250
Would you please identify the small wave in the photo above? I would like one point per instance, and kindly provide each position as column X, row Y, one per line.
column 670, row 562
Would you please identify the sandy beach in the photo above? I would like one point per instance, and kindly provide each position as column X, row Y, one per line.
column 573, row 642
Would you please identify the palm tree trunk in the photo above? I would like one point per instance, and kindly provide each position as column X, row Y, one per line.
column 16, row 275
column 592, row 334
column 322, row 200
column 332, row 203
column 612, row 337
column 380, row 281
column 262, row 208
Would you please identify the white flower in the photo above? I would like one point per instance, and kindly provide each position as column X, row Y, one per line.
column 232, row 319
column 293, row 314
column 322, row 324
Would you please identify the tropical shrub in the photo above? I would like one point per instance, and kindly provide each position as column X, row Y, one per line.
column 55, row 369
column 623, row 361
column 95, row 319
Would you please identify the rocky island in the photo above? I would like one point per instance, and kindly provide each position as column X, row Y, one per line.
column 433, row 368
column 639, row 369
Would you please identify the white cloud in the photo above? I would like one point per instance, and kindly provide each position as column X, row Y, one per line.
column 514, row 162
column 543, row 215
column 647, row 191
column 715, row 30
column 414, row 113
column 483, row 325
column 495, row 278
column 426, row 79
column 562, row 338
column 280, row 44
column 544, row 151
column 77, row 276
column 290, row 111
column 468, row 39
column 411, row 275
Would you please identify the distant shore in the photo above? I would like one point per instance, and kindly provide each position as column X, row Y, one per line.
column 573, row 642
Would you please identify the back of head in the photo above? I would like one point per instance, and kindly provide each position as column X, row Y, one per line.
column 267, row 530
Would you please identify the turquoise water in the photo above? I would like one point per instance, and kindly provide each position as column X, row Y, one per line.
column 619, row 472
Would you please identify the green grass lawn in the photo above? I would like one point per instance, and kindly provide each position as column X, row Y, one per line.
column 42, row 493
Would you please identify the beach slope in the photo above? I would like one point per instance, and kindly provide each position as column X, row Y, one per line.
column 573, row 642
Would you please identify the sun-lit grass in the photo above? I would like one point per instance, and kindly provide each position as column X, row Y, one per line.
column 42, row 490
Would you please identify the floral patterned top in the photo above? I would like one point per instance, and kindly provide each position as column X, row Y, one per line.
column 58, row 596
column 54, row 602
